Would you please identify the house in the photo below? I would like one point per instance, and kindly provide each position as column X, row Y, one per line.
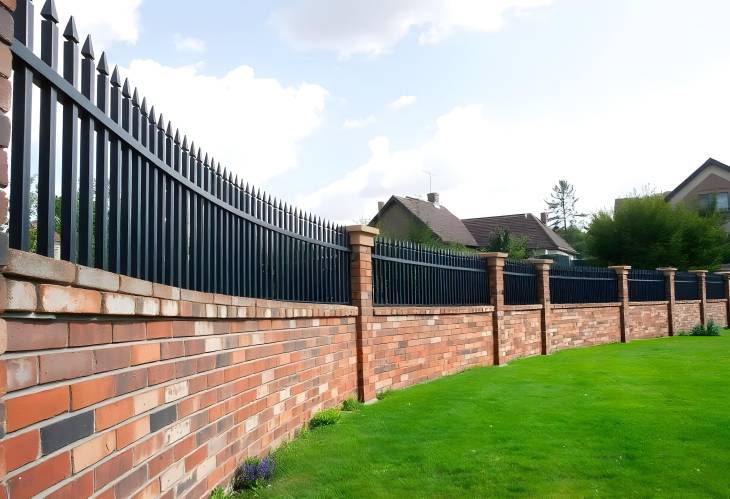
column 707, row 186
column 401, row 217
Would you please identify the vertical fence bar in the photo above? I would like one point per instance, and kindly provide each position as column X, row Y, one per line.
column 86, row 152
column 144, row 270
column 161, row 199
column 137, row 188
column 46, row 223
column 101, row 224
column 125, row 206
column 70, row 158
column 115, row 171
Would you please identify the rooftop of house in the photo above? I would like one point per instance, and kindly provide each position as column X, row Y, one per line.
column 539, row 235
column 710, row 163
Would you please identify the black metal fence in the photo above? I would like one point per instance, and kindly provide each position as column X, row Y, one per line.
column 686, row 286
column 520, row 283
column 647, row 285
column 409, row 274
column 715, row 287
column 137, row 197
column 583, row 285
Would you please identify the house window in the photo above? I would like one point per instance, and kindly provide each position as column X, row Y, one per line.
column 721, row 201
column 718, row 200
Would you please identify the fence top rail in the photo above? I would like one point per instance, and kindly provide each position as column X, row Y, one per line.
column 313, row 229
column 519, row 268
column 685, row 277
column 418, row 254
column 587, row 273
column 714, row 278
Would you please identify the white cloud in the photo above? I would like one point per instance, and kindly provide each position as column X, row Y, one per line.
column 188, row 43
column 485, row 166
column 351, row 27
column 351, row 124
column 252, row 125
column 401, row 102
column 107, row 21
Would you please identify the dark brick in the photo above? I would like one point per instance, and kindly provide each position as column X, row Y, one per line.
column 185, row 485
column 132, row 482
column 162, row 418
column 66, row 431
column 223, row 360
column 131, row 381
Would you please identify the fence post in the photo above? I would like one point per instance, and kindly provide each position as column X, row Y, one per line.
column 669, row 273
column 726, row 277
column 622, row 274
column 495, row 271
column 362, row 240
column 702, row 292
column 542, row 269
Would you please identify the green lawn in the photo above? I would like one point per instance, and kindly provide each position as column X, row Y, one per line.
column 648, row 419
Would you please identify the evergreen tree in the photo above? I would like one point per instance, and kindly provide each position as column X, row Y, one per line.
column 562, row 212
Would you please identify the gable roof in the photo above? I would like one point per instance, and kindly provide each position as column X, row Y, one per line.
column 707, row 164
column 441, row 221
column 538, row 235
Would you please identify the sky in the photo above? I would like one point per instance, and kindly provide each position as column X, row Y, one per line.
column 334, row 105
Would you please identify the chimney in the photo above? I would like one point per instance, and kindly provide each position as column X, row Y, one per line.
column 380, row 205
column 544, row 217
column 433, row 197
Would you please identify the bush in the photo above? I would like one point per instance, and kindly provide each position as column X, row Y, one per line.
column 218, row 493
column 382, row 395
column 351, row 404
column 253, row 473
column 712, row 329
column 325, row 418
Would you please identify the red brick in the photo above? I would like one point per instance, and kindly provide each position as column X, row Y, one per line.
column 22, row 449
column 89, row 333
column 160, row 463
column 39, row 267
column 110, row 359
column 172, row 350
column 159, row 329
column 80, row 487
column 145, row 353
column 26, row 335
column 132, row 482
column 131, row 381
column 146, row 448
column 160, row 373
column 197, row 457
column 111, row 414
column 112, row 469
column 39, row 478
column 132, row 432
column 151, row 491
column 129, row 331
column 9, row 4
column 28, row 409
column 66, row 365
column 22, row 372
column 90, row 392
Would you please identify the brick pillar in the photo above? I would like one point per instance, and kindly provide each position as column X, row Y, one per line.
column 669, row 273
column 702, row 291
column 726, row 277
column 622, row 275
column 362, row 240
column 495, row 270
column 6, row 62
column 542, row 268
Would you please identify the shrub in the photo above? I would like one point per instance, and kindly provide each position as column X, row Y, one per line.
column 253, row 472
column 218, row 493
column 383, row 394
column 351, row 404
column 325, row 418
column 712, row 329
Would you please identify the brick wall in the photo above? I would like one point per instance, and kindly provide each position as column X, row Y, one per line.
column 412, row 345
column 107, row 397
column 649, row 319
column 521, row 334
column 686, row 315
column 584, row 325
column 716, row 310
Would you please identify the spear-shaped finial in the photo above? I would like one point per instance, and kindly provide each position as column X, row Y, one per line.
column 102, row 67
column 116, row 80
column 88, row 49
column 70, row 32
column 125, row 89
column 49, row 12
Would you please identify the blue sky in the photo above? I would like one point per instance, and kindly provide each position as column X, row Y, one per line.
column 504, row 98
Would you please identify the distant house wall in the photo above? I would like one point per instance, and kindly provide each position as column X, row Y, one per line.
column 396, row 222
column 713, row 180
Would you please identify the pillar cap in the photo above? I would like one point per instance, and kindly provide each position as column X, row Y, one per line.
column 698, row 271
column 494, row 254
column 620, row 268
column 365, row 229
column 544, row 261
column 667, row 269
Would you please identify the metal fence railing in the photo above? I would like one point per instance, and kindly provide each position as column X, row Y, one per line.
column 520, row 283
column 138, row 198
column 647, row 285
column 582, row 285
column 409, row 274
column 715, row 287
column 686, row 286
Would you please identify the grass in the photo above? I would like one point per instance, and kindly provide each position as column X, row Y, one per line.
column 648, row 419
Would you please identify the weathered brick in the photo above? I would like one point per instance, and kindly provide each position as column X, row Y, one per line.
column 89, row 333
column 21, row 449
column 21, row 373
column 176, row 391
column 88, row 277
column 91, row 392
column 159, row 373
column 129, row 331
column 21, row 295
column 27, row 409
column 93, row 451
column 172, row 350
column 169, row 308
column 161, row 462
column 29, row 335
column 172, row 475
column 135, row 286
column 165, row 292
column 112, row 414
column 131, row 381
column 39, row 267
column 111, row 358
column 118, row 304
column 38, row 478
column 68, row 300
column 150, row 491
column 65, row 365
column 66, row 431
column 144, row 402
column 147, row 306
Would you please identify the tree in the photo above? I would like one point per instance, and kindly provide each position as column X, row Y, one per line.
column 505, row 242
column 562, row 212
column 649, row 233
column 576, row 237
